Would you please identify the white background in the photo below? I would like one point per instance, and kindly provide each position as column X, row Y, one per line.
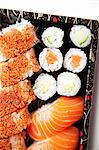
column 80, row 8
column 88, row 9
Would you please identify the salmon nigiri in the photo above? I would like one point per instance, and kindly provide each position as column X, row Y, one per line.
column 55, row 117
column 65, row 140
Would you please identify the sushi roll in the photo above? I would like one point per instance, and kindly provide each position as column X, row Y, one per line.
column 65, row 140
column 16, row 39
column 51, row 59
column 68, row 84
column 53, row 37
column 75, row 60
column 15, row 97
column 15, row 142
column 18, row 68
column 45, row 86
column 14, row 123
column 55, row 117
column 80, row 35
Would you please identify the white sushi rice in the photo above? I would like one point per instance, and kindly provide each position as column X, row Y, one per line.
column 51, row 67
column 68, row 60
column 19, row 26
column 68, row 84
column 80, row 35
column 53, row 37
column 45, row 86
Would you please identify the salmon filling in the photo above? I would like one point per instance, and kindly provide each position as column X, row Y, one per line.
column 75, row 61
column 51, row 57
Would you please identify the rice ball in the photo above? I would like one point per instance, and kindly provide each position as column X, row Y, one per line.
column 80, row 35
column 53, row 37
column 75, row 60
column 51, row 59
column 45, row 86
column 68, row 84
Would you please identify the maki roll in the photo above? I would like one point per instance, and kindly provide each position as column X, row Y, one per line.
column 80, row 35
column 45, row 86
column 53, row 37
column 17, row 39
column 68, row 84
column 75, row 60
column 51, row 59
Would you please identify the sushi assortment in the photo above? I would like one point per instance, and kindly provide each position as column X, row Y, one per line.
column 57, row 70
column 52, row 123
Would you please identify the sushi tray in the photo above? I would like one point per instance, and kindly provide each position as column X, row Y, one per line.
column 47, row 67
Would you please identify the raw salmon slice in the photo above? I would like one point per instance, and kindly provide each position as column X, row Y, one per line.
column 65, row 140
column 55, row 117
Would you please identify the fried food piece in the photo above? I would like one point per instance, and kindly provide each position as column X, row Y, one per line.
column 18, row 68
column 17, row 39
column 15, row 97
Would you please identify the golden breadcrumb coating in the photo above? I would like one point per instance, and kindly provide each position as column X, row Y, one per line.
column 14, row 123
column 15, row 97
column 14, row 41
column 18, row 68
column 15, row 142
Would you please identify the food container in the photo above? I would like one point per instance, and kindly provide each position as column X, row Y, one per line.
column 41, row 22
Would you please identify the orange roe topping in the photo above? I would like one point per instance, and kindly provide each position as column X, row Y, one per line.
column 75, row 61
column 51, row 57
